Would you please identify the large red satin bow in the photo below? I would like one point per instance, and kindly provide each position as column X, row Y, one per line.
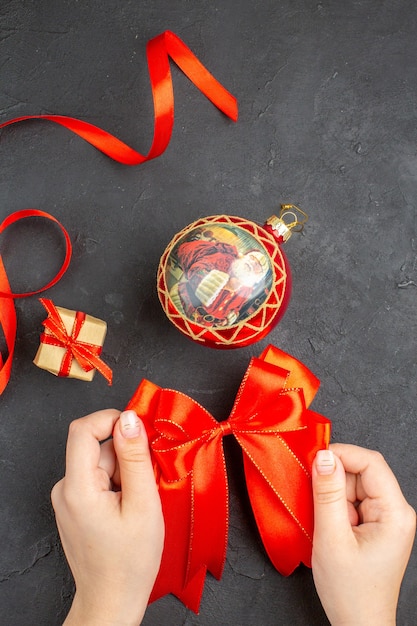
column 8, row 320
column 158, row 51
column 279, row 437
column 86, row 354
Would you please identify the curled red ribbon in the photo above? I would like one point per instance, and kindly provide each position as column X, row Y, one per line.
column 86, row 354
column 158, row 51
column 279, row 437
column 8, row 320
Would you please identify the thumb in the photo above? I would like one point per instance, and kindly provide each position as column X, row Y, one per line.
column 331, row 516
column 137, row 479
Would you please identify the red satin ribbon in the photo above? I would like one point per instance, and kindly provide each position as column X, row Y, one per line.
column 158, row 51
column 86, row 354
column 8, row 320
column 279, row 437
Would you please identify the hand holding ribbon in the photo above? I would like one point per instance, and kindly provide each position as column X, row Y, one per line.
column 279, row 437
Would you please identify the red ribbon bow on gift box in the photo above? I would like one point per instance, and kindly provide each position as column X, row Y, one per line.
column 86, row 354
column 279, row 437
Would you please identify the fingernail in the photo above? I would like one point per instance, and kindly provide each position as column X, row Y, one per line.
column 130, row 425
column 325, row 463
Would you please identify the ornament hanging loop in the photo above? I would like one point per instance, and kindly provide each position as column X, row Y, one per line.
column 290, row 219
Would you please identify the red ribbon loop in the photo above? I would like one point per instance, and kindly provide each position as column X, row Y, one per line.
column 158, row 51
column 279, row 437
column 8, row 319
column 86, row 354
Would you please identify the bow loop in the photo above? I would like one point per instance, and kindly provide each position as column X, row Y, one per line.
column 286, row 413
column 182, row 427
column 170, row 431
column 54, row 325
column 188, row 418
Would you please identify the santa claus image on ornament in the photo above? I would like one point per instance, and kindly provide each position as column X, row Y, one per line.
column 223, row 276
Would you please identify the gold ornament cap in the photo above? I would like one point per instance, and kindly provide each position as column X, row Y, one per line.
column 290, row 219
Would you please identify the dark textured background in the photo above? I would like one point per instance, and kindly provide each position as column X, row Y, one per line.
column 327, row 96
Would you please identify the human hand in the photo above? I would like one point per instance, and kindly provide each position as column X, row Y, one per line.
column 109, row 517
column 363, row 536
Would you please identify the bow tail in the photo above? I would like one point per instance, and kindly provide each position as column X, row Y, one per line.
column 176, row 500
column 282, row 507
column 195, row 539
column 196, row 519
column 173, row 576
column 282, row 501
column 287, row 540
column 211, row 512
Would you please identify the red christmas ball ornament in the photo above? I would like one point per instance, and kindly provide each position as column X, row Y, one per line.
column 225, row 281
